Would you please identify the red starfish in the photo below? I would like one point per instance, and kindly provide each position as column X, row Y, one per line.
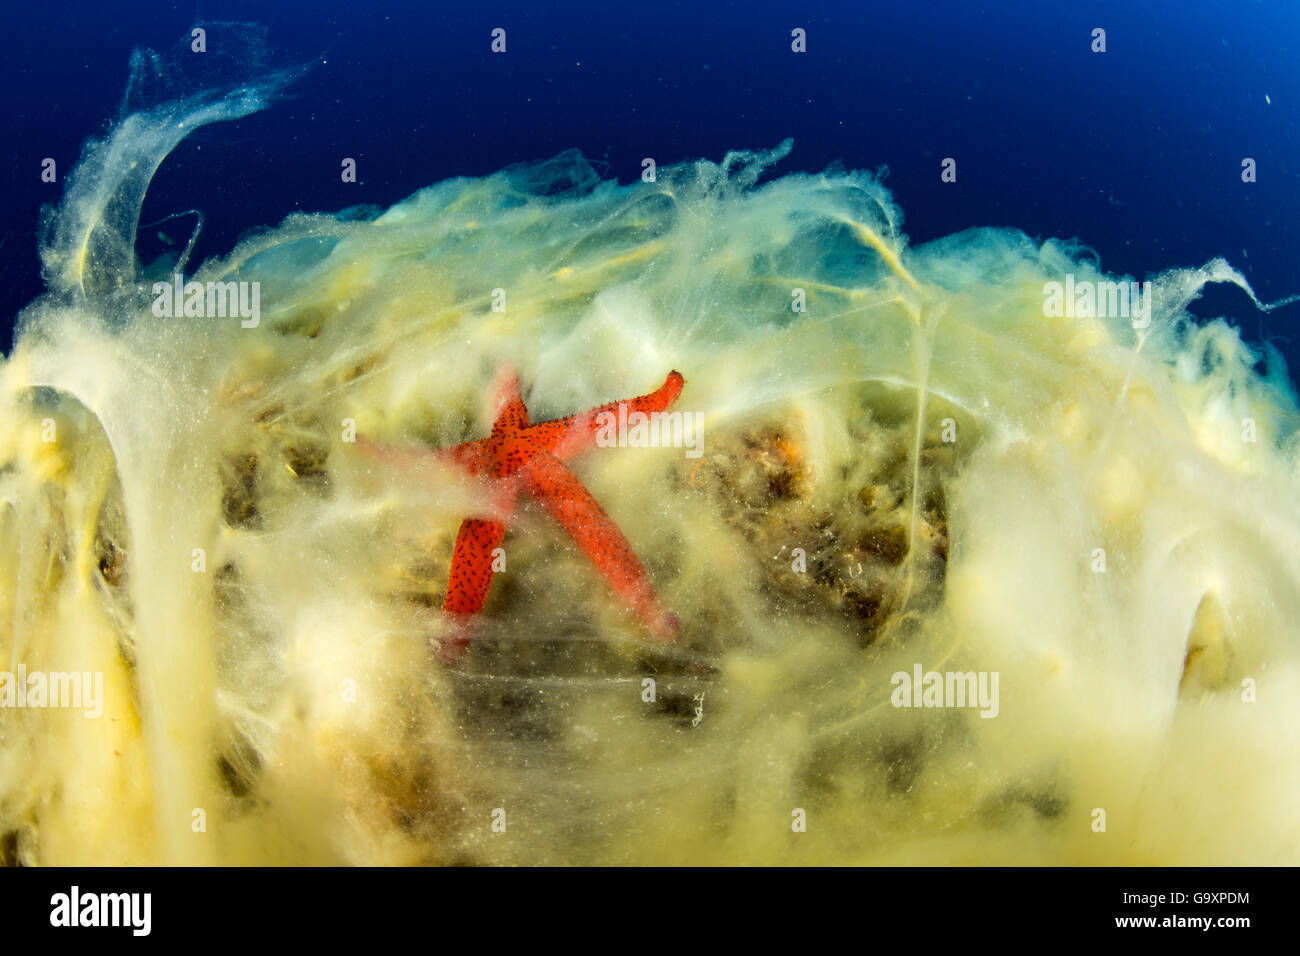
column 519, row 456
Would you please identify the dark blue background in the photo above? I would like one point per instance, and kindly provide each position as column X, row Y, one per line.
column 1136, row 151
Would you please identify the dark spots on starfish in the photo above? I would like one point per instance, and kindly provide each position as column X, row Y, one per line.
column 471, row 566
column 532, row 455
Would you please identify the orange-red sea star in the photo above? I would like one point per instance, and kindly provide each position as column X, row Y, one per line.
column 518, row 456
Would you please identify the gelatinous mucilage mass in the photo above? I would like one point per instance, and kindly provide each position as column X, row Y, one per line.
column 915, row 472
column 88, row 250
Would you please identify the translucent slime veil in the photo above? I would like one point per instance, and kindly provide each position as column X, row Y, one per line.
column 919, row 472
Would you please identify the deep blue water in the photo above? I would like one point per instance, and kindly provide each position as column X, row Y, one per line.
column 1137, row 151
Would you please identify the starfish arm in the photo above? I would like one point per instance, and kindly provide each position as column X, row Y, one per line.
column 565, row 437
column 563, row 496
column 469, row 581
column 472, row 559
column 511, row 415
column 471, row 565
column 474, row 456
column 401, row 456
